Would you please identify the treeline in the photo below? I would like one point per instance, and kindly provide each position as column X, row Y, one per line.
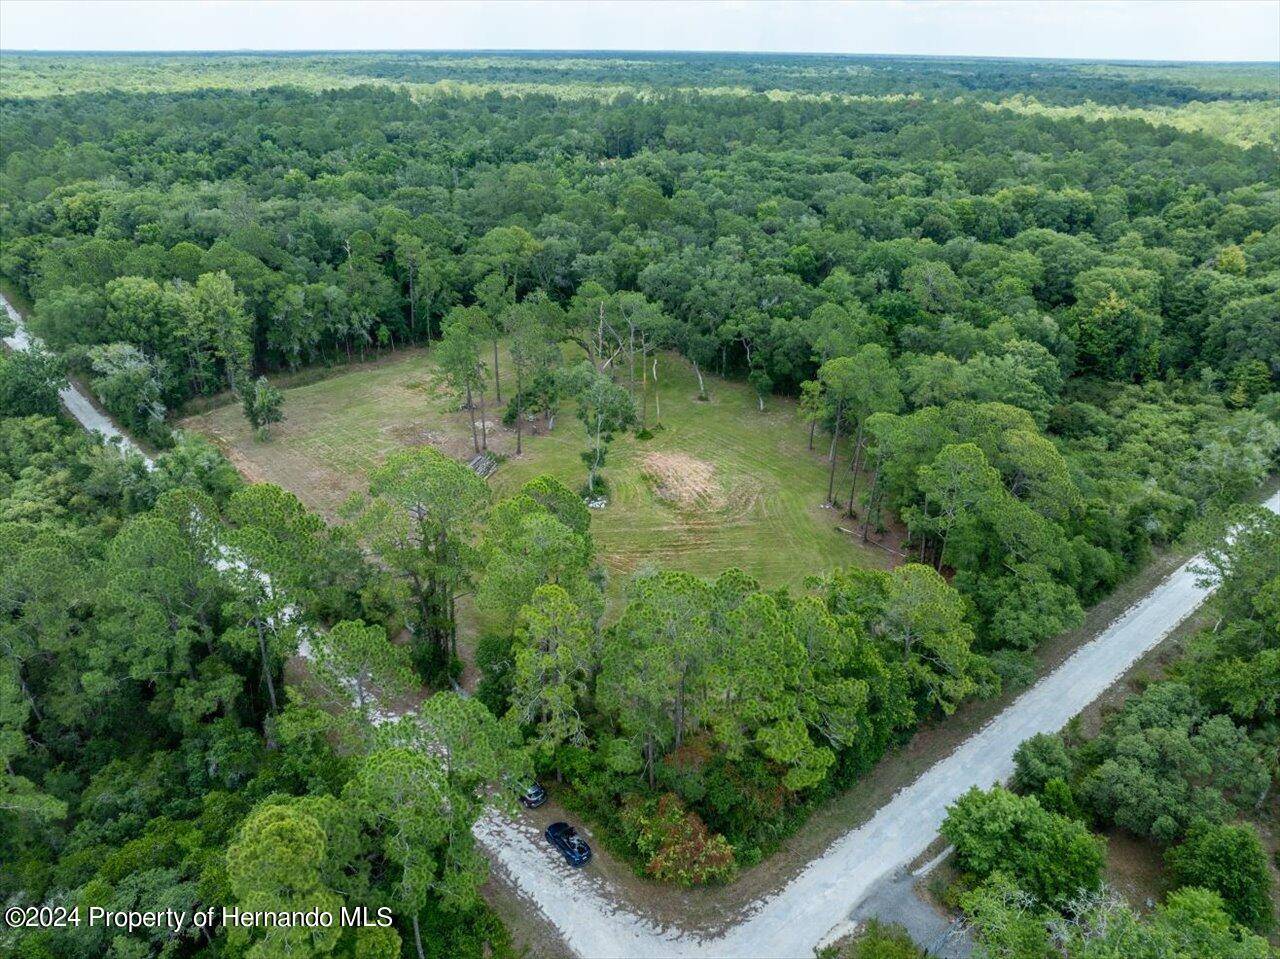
column 702, row 723
column 1243, row 122
column 1188, row 764
column 591, row 73
column 853, row 75
column 154, row 748
column 152, row 752
column 740, row 216
column 1037, row 527
column 1043, row 345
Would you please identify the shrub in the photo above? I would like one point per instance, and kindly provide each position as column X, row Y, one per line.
column 876, row 940
column 493, row 659
column 1015, row 667
column 1050, row 856
column 676, row 843
column 1039, row 759
column 29, row 383
column 1230, row 861
column 1058, row 797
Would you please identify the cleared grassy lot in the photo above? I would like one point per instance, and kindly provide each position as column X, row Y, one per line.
column 720, row 484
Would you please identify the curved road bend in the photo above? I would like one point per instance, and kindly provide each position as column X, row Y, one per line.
column 76, row 402
column 793, row 920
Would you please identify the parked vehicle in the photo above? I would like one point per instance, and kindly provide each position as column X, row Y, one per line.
column 573, row 847
column 533, row 796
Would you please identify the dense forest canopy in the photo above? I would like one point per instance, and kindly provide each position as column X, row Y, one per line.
column 1051, row 81
column 1030, row 308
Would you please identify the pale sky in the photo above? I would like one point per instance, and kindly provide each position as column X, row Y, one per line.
column 1089, row 29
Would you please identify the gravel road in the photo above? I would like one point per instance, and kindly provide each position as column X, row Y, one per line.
column 792, row 921
column 77, row 404
column 797, row 917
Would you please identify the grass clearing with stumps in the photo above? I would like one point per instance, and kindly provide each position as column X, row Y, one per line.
column 718, row 484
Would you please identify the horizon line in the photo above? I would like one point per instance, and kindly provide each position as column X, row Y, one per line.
column 340, row 51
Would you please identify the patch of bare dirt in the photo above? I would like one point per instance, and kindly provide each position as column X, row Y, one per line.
column 416, row 435
column 685, row 481
column 1134, row 869
column 454, row 443
column 245, row 466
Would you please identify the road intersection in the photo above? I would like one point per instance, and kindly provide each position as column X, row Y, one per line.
column 595, row 921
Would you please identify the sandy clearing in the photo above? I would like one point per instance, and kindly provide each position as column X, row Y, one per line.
column 684, row 480
column 792, row 921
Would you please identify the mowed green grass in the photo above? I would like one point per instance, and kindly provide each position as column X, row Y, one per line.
column 720, row 484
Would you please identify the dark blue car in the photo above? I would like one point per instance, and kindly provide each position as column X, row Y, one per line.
column 573, row 847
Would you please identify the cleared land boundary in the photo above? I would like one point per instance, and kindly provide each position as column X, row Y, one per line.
column 791, row 922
